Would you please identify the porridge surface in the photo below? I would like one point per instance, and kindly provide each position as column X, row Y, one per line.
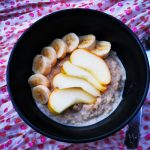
column 85, row 114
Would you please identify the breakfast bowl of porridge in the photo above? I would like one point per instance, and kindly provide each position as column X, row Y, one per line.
column 77, row 75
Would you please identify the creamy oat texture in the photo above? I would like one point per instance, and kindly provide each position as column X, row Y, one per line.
column 84, row 114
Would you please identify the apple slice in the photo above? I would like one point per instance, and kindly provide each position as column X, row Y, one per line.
column 76, row 71
column 61, row 99
column 92, row 63
column 63, row 81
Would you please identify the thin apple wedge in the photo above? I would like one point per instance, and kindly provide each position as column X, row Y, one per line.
column 76, row 71
column 92, row 63
column 61, row 99
column 63, row 81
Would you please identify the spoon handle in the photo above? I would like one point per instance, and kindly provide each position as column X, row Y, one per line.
column 133, row 132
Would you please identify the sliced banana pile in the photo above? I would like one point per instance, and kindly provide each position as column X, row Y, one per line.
column 82, row 79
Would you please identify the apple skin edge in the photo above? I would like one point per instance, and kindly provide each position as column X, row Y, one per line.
column 51, row 109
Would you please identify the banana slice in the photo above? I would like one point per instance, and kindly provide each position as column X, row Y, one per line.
column 41, row 94
column 50, row 53
column 38, row 79
column 87, row 42
column 41, row 64
column 72, row 41
column 102, row 48
column 60, row 47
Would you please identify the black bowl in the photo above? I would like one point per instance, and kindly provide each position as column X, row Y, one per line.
column 79, row 21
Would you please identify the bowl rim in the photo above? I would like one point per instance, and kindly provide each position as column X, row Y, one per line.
column 97, row 137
